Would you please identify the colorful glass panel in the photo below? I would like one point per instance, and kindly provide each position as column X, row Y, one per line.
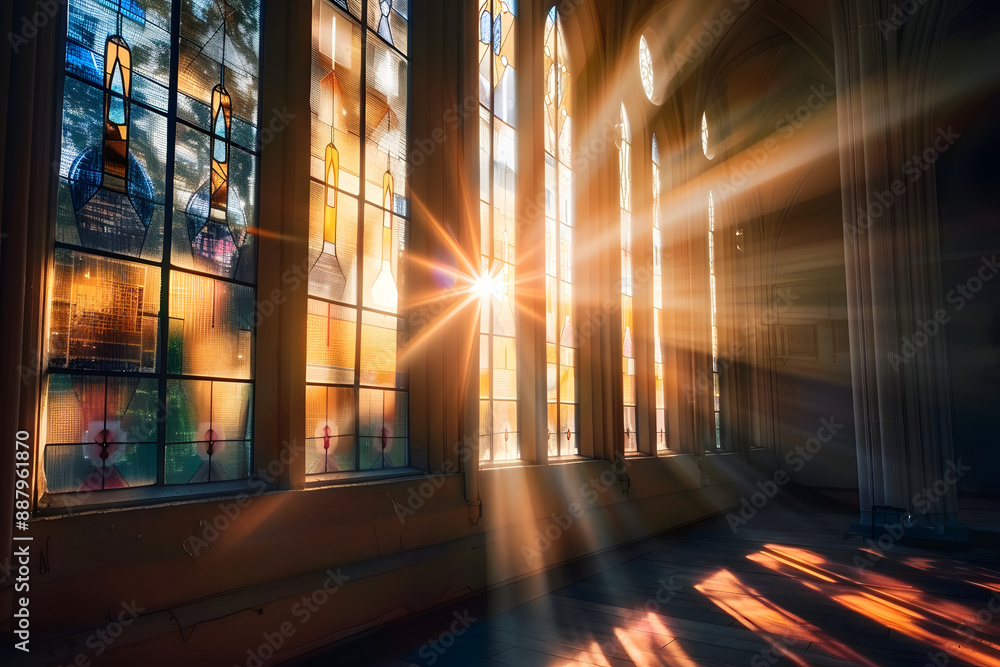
column 359, row 222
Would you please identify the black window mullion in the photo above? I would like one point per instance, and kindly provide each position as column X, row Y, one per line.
column 362, row 199
column 168, row 214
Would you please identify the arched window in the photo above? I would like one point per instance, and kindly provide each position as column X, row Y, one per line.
column 628, row 328
column 712, row 256
column 150, row 317
column 560, row 338
column 704, row 135
column 356, row 400
column 498, row 400
column 646, row 68
column 661, row 401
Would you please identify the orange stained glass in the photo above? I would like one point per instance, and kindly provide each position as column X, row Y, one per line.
column 358, row 222
column 331, row 336
column 384, row 293
column 117, row 93
column 332, row 172
column 222, row 115
column 210, row 327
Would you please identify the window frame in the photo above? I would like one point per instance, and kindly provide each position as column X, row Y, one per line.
column 46, row 502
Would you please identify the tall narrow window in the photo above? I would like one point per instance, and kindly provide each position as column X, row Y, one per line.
column 356, row 400
column 716, row 413
column 704, row 135
column 661, row 401
column 628, row 328
column 498, row 406
column 150, row 318
column 560, row 335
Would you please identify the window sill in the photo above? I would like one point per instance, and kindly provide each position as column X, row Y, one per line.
column 360, row 477
column 501, row 465
column 569, row 458
column 54, row 505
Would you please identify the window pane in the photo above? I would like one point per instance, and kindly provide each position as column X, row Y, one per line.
column 498, row 27
column 208, row 429
column 104, row 314
column 560, row 322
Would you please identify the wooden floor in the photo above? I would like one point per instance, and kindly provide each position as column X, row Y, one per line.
column 787, row 589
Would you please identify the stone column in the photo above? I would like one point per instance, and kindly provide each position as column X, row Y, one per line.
column 899, row 355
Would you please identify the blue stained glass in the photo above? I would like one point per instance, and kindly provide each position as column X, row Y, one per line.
column 220, row 125
column 484, row 27
column 124, row 232
column 116, row 82
column 220, row 133
column 83, row 63
column 220, row 151
column 128, row 8
column 513, row 6
column 117, row 111
column 383, row 25
column 497, row 35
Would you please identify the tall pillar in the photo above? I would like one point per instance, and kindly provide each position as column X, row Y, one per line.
column 899, row 355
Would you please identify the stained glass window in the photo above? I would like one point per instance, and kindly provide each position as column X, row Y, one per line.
column 712, row 255
column 628, row 325
column 560, row 332
column 150, row 320
column 646, row 68
column 356, row 400
column 498, row 401
column 661, row 401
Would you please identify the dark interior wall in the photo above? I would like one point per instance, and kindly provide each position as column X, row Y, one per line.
column 781, row 165
column 967, row 180
column 814, row 397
